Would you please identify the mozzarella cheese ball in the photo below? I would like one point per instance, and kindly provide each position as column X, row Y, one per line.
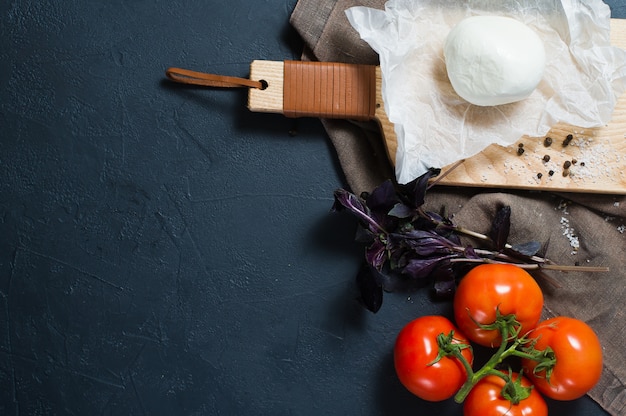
column 493, row 60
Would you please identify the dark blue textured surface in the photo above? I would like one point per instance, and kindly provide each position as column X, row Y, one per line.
column 163, row 251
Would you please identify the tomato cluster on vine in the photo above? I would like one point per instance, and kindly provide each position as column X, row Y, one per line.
column 498, row 306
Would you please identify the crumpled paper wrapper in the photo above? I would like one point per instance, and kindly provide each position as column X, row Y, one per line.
column 583, row 79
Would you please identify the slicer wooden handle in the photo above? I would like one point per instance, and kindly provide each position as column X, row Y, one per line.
column 315, row 89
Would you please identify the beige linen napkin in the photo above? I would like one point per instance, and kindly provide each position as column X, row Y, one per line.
column 581, row 229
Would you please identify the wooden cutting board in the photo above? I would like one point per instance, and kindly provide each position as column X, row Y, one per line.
column 597, row 157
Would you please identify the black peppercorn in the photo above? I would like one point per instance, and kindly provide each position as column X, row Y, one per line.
column 520, row 151
column 546, row 158
column 568, row 139
column 547, row 142
column 567, row 164
column 539, row 175
column 551, row 173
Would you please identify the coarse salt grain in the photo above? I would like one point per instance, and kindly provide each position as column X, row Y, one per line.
column 567, row 229
column 563, row 207
column 595, row 160
column 569, row 233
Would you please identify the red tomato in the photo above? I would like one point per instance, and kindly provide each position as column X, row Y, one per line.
column 416, row 347
column 488, row 287
column 578, row 356
column 486, row 399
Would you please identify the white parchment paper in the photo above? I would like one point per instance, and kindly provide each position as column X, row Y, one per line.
column 583, row 79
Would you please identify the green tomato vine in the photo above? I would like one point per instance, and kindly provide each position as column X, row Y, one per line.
column 513, row 345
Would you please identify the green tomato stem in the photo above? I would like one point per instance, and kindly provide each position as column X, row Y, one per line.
column 506, row 326
column 487, row 369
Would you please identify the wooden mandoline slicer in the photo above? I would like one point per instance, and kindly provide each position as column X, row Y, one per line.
column 350, row 91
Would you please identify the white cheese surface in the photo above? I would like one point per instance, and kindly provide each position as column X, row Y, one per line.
column 494, row 60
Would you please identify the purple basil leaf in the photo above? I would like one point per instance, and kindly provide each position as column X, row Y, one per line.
column 401, row 210
column 415, row 191
column 453, row 237
column 424, row 249
column 449, row 234
column 383, row 197
column 444, row 284
column 380, row 202
column 422, row 268
column 424, row 243
column 349, row 201
column 530, row 248
column 445, row 224
column 376, row 254
column 444, row 289
column 363, row 235
column 500, row 227
column 440, row 224
column 371, row 291
column 398, row 255
column 543, row 251
column 434, row 216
